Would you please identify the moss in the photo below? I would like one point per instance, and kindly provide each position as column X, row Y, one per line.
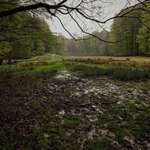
column 101, row 144
column 140, row 126
column 71, row 121
column 35, row 104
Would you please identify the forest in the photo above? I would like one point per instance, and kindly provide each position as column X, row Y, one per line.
column 132, row 36
column 25, row 36
column 64, row 90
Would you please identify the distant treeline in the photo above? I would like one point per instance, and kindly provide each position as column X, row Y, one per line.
column 131, row 31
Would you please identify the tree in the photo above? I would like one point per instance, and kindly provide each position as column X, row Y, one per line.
column 88, row 45
column 144, row 35
column 5, row 48
column 126, row 30
column 25, row 34
column 84, row 10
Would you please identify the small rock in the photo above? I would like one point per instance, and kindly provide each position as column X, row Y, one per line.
column 62, row 113
column 91, row 134
column 46, row 135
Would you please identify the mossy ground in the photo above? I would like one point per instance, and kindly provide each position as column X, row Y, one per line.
column 42, row 111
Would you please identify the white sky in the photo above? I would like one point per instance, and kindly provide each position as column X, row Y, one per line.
column 109, row 10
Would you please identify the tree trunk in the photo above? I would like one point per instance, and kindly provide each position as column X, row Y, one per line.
column 1, row 61
column 10, row 58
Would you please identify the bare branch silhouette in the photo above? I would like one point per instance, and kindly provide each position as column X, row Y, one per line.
column 87, row 9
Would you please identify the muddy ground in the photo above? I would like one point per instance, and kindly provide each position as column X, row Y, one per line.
column 67, row 112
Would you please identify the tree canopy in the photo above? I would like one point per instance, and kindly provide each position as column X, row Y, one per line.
column 24, row 35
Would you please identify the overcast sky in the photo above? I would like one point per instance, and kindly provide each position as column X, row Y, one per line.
column 109, row 10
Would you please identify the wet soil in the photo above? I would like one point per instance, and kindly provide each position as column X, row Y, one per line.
column 67, row 112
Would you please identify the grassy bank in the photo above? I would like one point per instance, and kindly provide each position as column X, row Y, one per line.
column 28, row 69
column 122, row 68
column 121, row 72
column 50, row 64
column 40, row 65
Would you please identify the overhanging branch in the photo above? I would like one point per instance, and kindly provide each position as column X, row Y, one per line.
column 64, row 9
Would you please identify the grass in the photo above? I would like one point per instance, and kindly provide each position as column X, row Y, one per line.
column 15, row 70
column 111, row 58
column 39, row 65
column 115, row 67
column 121, row 72
column 71, row 122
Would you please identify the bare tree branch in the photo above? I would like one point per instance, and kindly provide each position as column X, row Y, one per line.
column 87, row 9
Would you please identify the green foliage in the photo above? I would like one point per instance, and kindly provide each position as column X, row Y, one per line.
column 46, row 65
column 131, row 36
column 144, row 35
column 5, row 48
column 24, row 35
column 125, row 31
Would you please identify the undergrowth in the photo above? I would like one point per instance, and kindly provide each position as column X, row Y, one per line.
column 40, row 67
column 120, row 72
